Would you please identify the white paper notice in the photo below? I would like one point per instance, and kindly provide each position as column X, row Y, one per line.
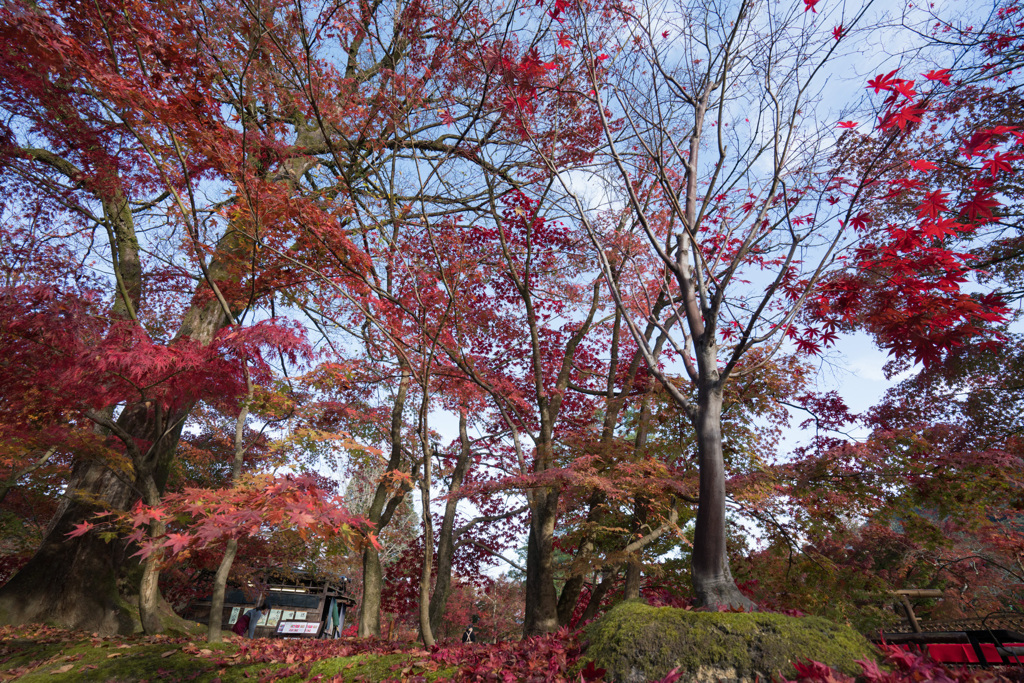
column 298, row 627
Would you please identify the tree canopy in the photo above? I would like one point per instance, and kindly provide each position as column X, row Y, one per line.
column 423, row 292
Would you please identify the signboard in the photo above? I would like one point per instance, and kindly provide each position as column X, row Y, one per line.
column 235, row 611
column 298, row 627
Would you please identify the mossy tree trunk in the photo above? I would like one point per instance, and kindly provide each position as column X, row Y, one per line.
column 73, row 581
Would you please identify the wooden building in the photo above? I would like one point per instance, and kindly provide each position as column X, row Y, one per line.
column 300, row 606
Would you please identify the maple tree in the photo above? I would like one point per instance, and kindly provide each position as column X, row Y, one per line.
column 340, row 221
column 734, row 219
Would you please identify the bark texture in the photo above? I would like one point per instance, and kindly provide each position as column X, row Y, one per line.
column 712, row 579
column 85, row 582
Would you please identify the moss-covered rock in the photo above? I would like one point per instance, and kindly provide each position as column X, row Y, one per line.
column 635, row 643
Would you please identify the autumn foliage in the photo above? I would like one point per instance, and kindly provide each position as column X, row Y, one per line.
column 420, row 293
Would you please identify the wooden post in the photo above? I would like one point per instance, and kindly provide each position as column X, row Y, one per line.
column 907, row 593
column 910, row 614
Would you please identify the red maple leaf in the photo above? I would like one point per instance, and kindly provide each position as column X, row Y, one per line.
column 177, row 542
column 1000, row 162
column 979, row 208
column 564, row 40
column 921, row 165
column 847, row 124
column 940, row 75
column 933, row 204
column 81, row 529
column 809, row 5
column 901, row 117
column 861, row 221
column 837, row 32
column 883, row 82
column 904, row 87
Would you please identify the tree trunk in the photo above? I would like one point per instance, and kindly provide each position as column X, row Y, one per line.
column 220, row 582
column 541, row 598
column 73, row 582
column 150, row 599
column 597, row 595
column 446, row 537
column 568, row 598
column 631, row 590
column 428, row 527
column 379, row 515
column 220, row 579
column 712, row 580
column 373, row 582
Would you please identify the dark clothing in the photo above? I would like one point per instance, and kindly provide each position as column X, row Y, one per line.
column 469, row 636
column 246, row 624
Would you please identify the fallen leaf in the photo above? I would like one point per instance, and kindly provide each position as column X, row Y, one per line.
column 169, row 653
column 114, row 654
column 64, row 669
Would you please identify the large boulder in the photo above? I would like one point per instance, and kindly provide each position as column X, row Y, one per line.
column 635, row 643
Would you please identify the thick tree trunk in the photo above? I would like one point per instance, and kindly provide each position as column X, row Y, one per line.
column 541, row 598
column 712, row 579
column 73, row 582
column 373, row 583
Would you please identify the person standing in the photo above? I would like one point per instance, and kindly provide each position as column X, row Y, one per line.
column 248, row 621
column 469, row 635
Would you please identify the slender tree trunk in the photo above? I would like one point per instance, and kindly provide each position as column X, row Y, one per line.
column 631, row 589
column 220, row 579
column 428, row 523
column 428, row 560
column 379, row 515
column 220, row 583
column 597, row 596
column 150, row 600
column 712, row 579
column 446, row 536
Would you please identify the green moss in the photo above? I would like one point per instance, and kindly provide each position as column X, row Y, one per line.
column 124, row 662
column 362, row 667
column 635, row 642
